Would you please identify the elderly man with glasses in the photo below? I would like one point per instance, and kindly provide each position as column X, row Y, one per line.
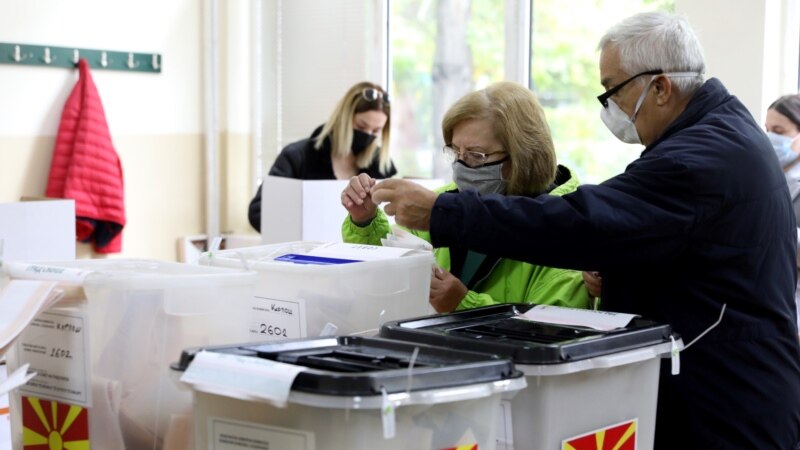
column 697, row 232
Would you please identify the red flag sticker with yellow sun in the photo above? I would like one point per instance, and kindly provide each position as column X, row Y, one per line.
column 463, row 447
column 621, row 436
column 49, row 425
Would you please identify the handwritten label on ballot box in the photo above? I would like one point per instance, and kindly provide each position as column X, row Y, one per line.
column 55, row 344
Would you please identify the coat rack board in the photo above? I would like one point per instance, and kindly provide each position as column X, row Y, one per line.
column 41, row 55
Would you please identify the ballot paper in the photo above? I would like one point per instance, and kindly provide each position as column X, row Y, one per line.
column 16, row 379
column 598, row 320
column 20, row 302
column 342, row 253
column 404, row 239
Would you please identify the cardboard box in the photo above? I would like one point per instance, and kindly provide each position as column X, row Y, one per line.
column 38, row 230
column 307, row 210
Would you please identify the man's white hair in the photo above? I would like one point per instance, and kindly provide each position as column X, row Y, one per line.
column 657, row 40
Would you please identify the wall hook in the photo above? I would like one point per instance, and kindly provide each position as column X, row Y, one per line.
column 70, row 57
column 132, row 64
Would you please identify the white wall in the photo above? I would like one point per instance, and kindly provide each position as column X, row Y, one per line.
column 135, row 103
column 155, row 119
column 743, row 42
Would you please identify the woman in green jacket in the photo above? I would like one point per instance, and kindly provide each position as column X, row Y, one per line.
column 499, row 143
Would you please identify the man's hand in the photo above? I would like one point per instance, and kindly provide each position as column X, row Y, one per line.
column 447, row 291
column 357, row 201
column 410, row 203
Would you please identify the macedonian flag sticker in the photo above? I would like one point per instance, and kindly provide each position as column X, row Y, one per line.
column 621, row 436
column 49, row 425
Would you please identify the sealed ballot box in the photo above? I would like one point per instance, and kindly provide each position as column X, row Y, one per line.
column 308, row 289
column 349, row 392
column 102, row 353
column 584, row 383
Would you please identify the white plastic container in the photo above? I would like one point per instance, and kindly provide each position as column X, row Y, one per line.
column 580, row 382
column 301, row 300
column 103, row 353
column 341, row 399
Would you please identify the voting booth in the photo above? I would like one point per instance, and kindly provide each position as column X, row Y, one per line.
column 310, row 288
column 588, row 373
column 307, row 210
column 349, row 392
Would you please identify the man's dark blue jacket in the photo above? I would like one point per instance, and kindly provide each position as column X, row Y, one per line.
column 703, row 218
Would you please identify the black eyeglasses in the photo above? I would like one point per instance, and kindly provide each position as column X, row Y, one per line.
column 603, row 98
column 372, row 94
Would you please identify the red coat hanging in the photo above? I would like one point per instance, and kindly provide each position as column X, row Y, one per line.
column 86, row 168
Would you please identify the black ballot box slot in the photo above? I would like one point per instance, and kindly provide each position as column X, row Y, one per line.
column 499, row 330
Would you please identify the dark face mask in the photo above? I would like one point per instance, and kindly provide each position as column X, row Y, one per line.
column 361, row 141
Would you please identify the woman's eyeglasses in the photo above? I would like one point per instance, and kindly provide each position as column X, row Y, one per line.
column 470, row 158
column 372, row 94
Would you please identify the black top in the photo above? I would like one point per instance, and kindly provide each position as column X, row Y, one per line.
column 701, row 219
column 354, row 365
column 302, row 161
column 496, row 330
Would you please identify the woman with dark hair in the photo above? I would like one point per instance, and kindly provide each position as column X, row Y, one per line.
column 783, row 129
column 354, row 140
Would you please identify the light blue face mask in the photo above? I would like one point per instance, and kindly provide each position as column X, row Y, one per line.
column 783, row 148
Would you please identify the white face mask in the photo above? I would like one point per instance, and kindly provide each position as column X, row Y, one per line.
column 620, row 124
column 783, row 147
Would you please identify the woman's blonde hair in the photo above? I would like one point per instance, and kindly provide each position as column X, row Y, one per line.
column 519, row 124
column 339, row 127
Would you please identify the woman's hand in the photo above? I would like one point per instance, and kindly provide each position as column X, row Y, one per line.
column 447, row 291
column 593, row 282
column 357, row 199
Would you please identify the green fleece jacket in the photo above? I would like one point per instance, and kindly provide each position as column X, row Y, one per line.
column 501, row 280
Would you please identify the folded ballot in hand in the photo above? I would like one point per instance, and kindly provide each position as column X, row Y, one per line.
column 403, row 239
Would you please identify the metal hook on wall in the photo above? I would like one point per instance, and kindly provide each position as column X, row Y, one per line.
column 132, row 63
column 68, row 57
column 17, row 54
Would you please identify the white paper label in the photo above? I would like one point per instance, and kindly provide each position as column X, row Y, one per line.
column 226, row 434
column 242, row 377
column 55, row 344
column 276, row 320
column 505, row 430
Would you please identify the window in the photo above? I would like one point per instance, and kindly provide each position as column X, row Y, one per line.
column 565, row 76
column 442, row 49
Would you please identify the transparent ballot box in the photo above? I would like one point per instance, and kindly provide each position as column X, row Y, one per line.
column 581, row 382
column 102, row 353
column 349, row 392
column 300, row 293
